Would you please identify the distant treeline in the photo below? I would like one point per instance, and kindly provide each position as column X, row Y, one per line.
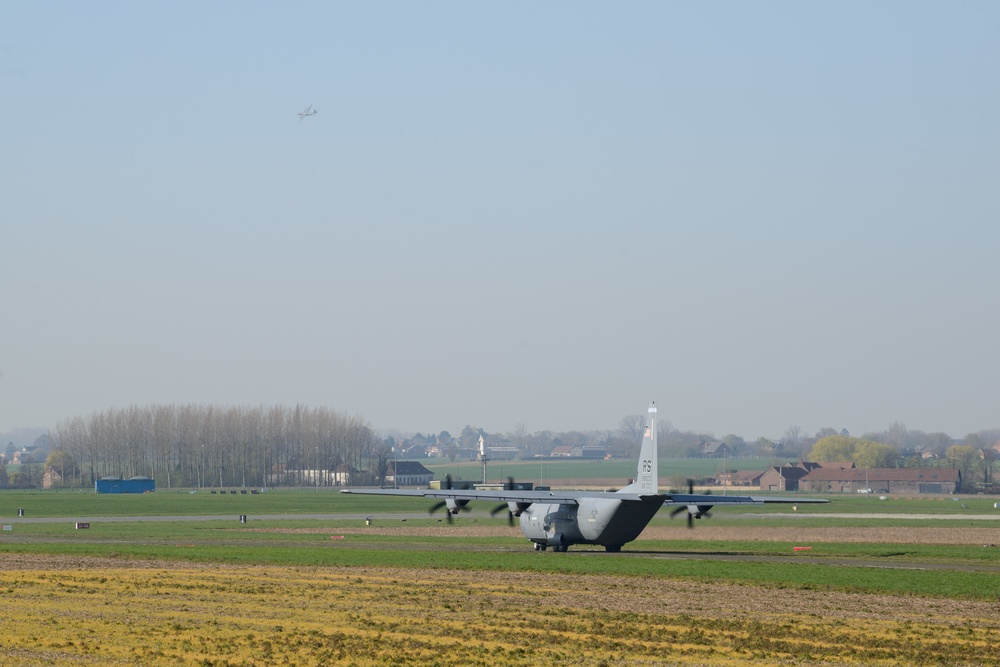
column 197, row 445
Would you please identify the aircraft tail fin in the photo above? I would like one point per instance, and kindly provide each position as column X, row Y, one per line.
column 647, row 474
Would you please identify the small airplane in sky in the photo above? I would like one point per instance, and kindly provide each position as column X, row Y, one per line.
column 308, row 112
column 559, row 519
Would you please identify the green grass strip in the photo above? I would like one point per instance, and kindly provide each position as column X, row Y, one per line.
column 948, row 583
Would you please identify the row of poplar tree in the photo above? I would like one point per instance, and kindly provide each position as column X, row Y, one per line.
column 208, row 446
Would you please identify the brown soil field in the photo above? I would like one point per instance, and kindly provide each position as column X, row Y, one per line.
column 98, row 611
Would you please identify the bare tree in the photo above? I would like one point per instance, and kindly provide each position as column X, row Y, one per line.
column 631, row 429
column 380, row 465
column 897, row 436
column 793, row 438
column 217, row 446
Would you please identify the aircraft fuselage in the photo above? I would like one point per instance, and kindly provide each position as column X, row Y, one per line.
column 593, row 521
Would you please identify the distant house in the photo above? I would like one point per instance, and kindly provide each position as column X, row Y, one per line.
column 780, row 478
column 882, row 480
column 455, row 484
column 837, row 465
column 277, row 475
column 783, row 478
column 26, row 455
column 715, row 450
column 499, row 453
column 741, row 478
column 453, row 453
column 408, row 473
column 579, row 452
column 415, row 451
column 582, row 452
column 345, row 475
column 51, row 479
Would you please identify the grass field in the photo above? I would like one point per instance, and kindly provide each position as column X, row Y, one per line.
column 79, row 503
column 300, row 591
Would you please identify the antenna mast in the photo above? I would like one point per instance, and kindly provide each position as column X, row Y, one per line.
column 482, row 456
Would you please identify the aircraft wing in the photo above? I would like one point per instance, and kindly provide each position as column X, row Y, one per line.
column 574, row 497
column 561, row 497
column 708, row 499
column 792, row 501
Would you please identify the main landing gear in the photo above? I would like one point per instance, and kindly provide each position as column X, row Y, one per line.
column 541, row 546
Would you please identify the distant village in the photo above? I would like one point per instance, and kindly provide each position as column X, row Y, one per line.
column 816, row 477
column 407, row 469
column 898, row 462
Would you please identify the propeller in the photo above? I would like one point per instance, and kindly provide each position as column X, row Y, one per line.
column 683, row 508
column 451, row 505
column 698, row 511
column 508, row 486
column 499, row 508
column 438, row 505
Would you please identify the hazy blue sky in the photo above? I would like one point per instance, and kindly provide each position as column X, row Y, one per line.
column 758, row 214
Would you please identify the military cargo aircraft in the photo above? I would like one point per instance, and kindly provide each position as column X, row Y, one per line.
column 309, row 111
column 610, row 519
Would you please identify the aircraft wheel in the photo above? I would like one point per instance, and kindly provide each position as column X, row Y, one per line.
column 538, row 547
column 613, row 548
